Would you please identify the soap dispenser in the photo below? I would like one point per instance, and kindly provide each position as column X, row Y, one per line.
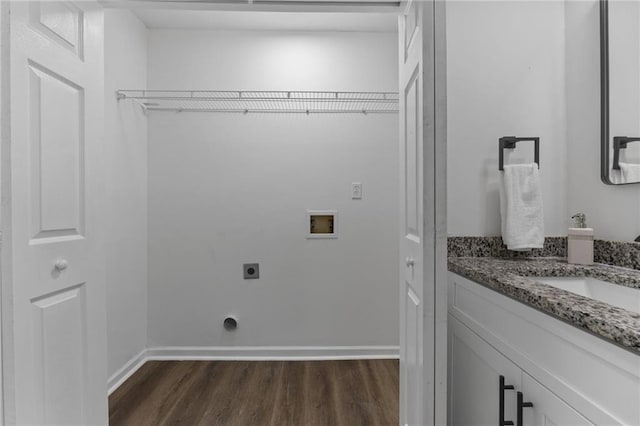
column 580, row 241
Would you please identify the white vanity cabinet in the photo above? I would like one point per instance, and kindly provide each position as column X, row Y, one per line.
column 570, row 376
column 474, row 375
column 475, row 391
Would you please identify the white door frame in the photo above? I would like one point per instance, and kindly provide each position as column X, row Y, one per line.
column 438, row 159
column 423, row 280
column 5, row 120
column 435, row 235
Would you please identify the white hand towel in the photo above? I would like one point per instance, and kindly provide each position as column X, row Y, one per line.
column 630, row 172
column 521, row 207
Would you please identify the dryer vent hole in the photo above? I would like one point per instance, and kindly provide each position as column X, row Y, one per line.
column 230, row 324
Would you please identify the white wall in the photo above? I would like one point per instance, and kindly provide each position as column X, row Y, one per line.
column 532, row 68
column 126, row 165
column 613, row 211
column 505, row 76
column 225, row 189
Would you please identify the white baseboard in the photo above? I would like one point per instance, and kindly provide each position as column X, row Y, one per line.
column 273, row 353
column 250, row 353
column 127, row 370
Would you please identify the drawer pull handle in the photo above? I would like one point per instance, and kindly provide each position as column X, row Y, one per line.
column 521, row 405
column 503, row 387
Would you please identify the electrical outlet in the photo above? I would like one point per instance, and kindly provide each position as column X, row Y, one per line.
column 251, row 271
column 356, row 191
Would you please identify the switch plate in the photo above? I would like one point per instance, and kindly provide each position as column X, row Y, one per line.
column 251, row 271
column 356, row 191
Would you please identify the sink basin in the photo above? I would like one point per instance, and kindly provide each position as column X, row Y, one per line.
column 614, row 294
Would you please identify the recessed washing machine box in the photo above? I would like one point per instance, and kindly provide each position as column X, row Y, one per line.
column 322, row 224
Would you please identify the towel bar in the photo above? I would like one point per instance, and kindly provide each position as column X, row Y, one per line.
column 510, row 142
column 620, row 142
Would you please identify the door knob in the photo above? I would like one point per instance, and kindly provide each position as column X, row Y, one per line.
column 410, row 261
column 61, row 264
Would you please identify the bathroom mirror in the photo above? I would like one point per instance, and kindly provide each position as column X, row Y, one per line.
column 620, row 91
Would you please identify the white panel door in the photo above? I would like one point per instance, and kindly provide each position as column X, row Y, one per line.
column 59, row 323
column 423, row 277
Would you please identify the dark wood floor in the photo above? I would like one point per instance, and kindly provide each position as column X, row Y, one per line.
column 243, row 393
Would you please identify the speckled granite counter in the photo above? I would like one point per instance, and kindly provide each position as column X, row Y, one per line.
column 516, row 279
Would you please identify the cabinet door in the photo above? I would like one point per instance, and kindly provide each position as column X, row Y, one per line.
column 475, row 368
column 548, row 409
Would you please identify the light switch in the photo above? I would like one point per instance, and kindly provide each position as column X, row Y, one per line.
column 356, row 191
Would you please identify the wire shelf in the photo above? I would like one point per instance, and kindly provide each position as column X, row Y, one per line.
column 263, row 101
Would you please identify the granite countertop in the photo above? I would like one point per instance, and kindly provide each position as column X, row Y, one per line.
column 516, row 279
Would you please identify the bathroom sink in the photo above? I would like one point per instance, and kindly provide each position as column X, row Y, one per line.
column 614, row 294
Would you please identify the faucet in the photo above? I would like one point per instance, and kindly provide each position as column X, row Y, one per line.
column 580, row 220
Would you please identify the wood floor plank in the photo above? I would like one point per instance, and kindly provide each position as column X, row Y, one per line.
column 288, row 410
column 353, row 401
column 319, row 393
column 192, row 406
column 381, row 388
column 132, row 393
column 116, row 399
column 158, row 393
column 230, row 406
column 259, row 406
column 245, row 393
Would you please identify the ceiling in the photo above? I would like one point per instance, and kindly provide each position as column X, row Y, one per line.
column 280, row 21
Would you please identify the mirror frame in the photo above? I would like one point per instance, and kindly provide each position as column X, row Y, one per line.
column 604, row 93
column 605, row 168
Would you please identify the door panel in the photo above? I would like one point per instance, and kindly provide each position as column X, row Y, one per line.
column 61, row 22
column 413, row 356
column 548, row 409
column 475, row 369
column 410, row 19
column 56, row 133
column 59, row 319
column 412, row 163
column 59, row 342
